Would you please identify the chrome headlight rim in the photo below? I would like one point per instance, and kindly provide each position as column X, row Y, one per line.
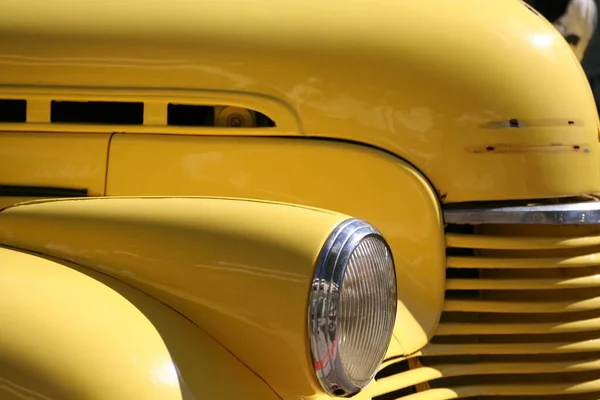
column 327, row 286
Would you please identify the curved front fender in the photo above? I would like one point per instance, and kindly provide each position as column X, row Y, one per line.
column 240, row 269
column 71, row 333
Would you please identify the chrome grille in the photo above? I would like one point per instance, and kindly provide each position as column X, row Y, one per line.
column 521, row 317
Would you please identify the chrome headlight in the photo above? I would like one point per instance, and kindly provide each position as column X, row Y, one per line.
column 352, row 307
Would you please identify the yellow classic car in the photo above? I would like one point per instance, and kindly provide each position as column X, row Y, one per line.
column 295, row 200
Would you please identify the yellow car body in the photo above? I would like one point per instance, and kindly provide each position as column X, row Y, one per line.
column 407, row 115
column 243, row 289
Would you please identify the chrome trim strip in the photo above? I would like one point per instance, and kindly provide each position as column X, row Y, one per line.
column 324, row 303
column 553, row 214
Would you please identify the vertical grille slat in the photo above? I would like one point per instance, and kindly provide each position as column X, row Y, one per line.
column 521, row 316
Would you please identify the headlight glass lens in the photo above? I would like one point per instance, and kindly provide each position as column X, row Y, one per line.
column 353, row 307
column 367, row 310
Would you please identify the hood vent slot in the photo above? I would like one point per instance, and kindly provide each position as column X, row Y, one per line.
column 97, row 112
column 13, row 110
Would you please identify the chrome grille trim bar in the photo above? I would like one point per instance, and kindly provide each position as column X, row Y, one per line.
column 551, row 214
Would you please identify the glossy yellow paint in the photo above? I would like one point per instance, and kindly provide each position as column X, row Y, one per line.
column 435, row 92
column 72, row 333
column 6, row 201
column 241, row 270
column 356, row 180
column 54, row 159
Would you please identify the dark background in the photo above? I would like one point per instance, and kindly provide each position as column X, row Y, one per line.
column 550, row 9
